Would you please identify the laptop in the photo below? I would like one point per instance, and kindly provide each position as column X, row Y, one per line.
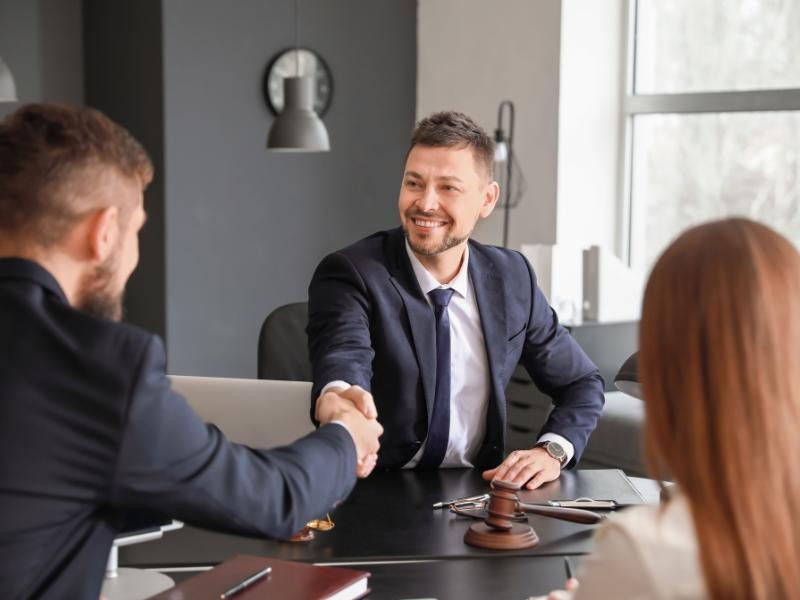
column 261, row 413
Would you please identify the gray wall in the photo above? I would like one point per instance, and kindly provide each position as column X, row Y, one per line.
column 494, row 51
column 245, row 227
column 124, row 80
column 40, row 41
column 234, row 230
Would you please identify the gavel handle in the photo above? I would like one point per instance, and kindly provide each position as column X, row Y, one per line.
column 577, row 515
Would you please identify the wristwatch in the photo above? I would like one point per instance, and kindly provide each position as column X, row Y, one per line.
column 555, row 450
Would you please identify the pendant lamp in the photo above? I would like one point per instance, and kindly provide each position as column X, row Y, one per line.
column 298, row 128
column 8, row 90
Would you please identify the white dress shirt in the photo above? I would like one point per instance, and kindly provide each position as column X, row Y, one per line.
column 469, row 370
column 469, row 366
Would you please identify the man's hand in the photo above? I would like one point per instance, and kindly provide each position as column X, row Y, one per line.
column 355, row 408
column 338, row 399
column 529, row 468
column 365, row 433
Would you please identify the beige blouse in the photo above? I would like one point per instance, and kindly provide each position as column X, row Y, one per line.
column 644, row 552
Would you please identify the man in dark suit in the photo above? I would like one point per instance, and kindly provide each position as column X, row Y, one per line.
column 432, row 324
column 89, row 427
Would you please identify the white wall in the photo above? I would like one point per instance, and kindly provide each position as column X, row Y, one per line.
column 590, row 123
column 472, row 54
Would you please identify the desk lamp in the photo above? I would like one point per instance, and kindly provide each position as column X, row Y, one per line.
column 627, row 379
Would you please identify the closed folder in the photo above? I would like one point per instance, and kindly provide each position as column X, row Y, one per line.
column 289, row 580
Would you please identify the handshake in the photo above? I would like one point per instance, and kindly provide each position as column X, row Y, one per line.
column 354, row 408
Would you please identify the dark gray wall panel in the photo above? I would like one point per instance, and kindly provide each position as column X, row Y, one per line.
column 122, row 50
column 245, row 227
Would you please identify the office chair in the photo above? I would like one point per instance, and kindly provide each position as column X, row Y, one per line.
column 283, row 345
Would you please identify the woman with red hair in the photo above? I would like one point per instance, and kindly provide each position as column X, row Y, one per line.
column 719, row 364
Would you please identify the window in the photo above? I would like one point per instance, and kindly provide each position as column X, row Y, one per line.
column 713, row 117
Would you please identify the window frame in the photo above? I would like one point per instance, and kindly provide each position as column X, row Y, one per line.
column 633, row 105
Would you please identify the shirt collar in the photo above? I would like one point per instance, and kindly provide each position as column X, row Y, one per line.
column 427, row 282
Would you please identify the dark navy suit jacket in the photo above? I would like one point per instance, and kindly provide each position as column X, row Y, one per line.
column 90, row 430
column 371, row 325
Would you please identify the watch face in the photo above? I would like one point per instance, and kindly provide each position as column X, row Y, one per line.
column 298, row 62
column 555, row 450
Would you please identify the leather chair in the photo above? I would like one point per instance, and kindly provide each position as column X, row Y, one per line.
column 283, row 345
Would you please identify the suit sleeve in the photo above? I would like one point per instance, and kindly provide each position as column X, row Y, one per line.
column 560, row 368
column 173, row 463
column 339, row 339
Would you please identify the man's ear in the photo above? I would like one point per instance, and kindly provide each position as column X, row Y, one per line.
column 490, row 196
column 103, row 231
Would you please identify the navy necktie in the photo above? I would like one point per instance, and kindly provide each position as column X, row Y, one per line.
column 439, row 427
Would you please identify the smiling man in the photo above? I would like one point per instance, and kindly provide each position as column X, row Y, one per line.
column 432, row 324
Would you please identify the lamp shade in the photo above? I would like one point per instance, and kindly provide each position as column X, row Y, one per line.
column 627, row 379
column 298, row 128
column 500, row 151
column 8, row 90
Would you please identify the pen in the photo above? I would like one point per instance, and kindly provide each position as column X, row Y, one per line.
column 246, row 583
column 568, row 568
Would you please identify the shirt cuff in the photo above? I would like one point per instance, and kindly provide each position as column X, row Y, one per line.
column 338, row 383
column 562, row 441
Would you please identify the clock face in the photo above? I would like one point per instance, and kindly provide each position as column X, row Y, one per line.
column 293, row 63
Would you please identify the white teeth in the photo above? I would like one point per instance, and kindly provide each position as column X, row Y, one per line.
column 422, row 223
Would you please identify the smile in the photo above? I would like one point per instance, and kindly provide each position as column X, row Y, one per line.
column 428, row 224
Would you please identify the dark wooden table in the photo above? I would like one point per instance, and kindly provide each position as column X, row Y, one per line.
column 389, row 517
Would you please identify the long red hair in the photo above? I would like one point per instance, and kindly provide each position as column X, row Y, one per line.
column 720, row 374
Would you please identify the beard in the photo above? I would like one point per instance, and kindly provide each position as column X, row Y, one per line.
column 447, row 242
column 97, row 296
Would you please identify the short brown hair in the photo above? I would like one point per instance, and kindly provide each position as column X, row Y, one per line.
column 50, row 156
column 719, row 370
column 449, row 129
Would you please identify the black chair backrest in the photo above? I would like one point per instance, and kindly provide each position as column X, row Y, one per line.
column 283, row 346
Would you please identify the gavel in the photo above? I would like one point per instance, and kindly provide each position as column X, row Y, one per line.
column 500, row 532
column 503, row 503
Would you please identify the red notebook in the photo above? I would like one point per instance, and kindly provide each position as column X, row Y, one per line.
column 288, row 581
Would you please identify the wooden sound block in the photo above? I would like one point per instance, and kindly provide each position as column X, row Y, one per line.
column 518, row 536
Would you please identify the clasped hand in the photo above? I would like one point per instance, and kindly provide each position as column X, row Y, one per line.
column 355, row 408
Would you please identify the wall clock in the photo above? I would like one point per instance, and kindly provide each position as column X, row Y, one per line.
column 294, row 62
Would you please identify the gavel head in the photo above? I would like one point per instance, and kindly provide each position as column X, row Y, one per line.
column 498, row 532
column 502, row 505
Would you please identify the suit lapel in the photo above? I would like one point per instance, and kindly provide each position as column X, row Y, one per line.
column 421, row 319
column 488, row 286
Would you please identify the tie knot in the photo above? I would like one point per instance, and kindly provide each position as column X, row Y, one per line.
column 441, row 296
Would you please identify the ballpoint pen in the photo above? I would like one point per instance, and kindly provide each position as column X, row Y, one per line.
column 246, row 583
column 568, row 568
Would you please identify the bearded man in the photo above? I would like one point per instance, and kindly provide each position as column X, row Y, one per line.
column 432, row 324
column 89, row 427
